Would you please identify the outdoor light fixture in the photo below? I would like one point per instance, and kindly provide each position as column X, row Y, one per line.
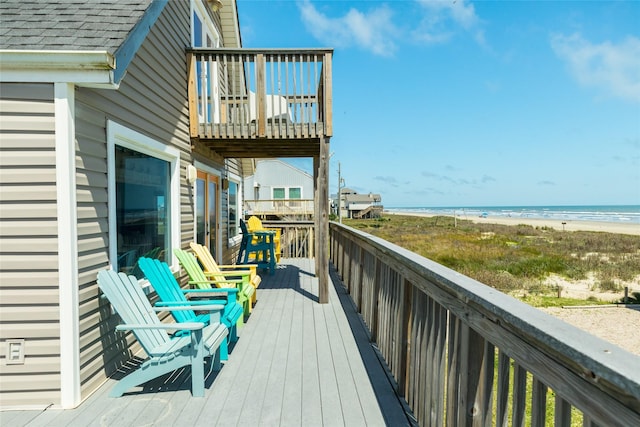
column 192, row 174
column 215, row 5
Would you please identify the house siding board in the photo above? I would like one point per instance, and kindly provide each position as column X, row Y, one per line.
column 28, row 254
column 151, row 100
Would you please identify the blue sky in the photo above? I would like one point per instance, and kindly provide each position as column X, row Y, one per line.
column 488, row 103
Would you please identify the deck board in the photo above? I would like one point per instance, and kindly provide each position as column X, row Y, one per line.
column 296, row 363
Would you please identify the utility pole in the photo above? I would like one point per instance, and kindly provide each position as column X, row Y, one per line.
column 339, row 194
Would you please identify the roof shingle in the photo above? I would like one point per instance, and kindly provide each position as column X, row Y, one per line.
column 68, row 24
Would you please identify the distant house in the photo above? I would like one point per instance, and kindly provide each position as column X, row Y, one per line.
column 357, row 206
column 278, row 190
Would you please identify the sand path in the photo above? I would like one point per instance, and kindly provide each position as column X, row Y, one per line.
column 619, row 325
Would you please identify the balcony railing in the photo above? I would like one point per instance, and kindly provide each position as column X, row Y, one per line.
column 463, row 353
column 297, row 238
column 251, row 93
column 290, row 208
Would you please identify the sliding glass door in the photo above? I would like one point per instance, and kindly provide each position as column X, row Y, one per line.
column 207, row 202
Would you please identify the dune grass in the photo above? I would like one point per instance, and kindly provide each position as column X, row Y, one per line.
column 514, row 258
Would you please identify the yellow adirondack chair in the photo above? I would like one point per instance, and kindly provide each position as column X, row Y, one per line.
column 211, row 267
column 254, row 224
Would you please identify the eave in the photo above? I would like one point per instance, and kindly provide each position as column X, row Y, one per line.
column 84, row 68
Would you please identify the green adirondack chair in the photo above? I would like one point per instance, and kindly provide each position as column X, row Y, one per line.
column 236, row 279
column 170, row 293
column 165, row 352
column 211, row 267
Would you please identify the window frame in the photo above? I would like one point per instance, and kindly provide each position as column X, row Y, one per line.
column 209, row 37
column 236, row 238
column 294, row 188
column 122, row 136
column 208, row 28
column 273, row 193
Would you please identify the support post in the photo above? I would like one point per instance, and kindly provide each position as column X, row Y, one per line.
column 316, row 224
column 322, row 221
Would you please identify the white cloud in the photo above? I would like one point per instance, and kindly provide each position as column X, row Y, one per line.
column 373, row 31
column 436, row 25
column 612, row 67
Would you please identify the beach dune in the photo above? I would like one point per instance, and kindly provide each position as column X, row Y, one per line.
column 566, row 225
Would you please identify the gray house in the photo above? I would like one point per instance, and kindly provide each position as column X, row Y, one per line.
column 97, row 168
column 278, row 189
column 358, row 206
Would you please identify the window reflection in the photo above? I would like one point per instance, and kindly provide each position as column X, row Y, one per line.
column 142, row 206
column 234, row 219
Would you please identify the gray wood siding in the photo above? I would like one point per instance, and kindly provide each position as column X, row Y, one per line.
column 152, row 100
column 29, row 294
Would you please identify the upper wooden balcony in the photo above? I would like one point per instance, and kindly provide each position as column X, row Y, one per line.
column 260, row 102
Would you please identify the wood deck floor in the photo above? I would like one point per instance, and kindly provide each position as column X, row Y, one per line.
column 297, row 363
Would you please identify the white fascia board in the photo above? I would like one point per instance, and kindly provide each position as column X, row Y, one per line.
column 85, row 68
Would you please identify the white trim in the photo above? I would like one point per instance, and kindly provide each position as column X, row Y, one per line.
column 67, row 245
column 208, row 169
column 56, row 59
column 125, row 137
column 199, row 8
column 89, row 68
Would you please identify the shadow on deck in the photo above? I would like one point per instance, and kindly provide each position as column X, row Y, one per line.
column 297, row 363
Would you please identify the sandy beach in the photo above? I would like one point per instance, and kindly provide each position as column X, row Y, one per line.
column 571, row 225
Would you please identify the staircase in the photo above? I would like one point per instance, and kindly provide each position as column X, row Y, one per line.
column 370, row 212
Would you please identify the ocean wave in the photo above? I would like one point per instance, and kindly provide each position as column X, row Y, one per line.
column 626, row 214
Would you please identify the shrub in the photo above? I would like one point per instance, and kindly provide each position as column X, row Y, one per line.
column 515, row 256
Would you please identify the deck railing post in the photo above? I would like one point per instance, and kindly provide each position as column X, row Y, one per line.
column 405, row 337
column 327, row 96
column 261, row 90
column 467, row 391
column 454, row 355
column 375, row 298
column 360, row 280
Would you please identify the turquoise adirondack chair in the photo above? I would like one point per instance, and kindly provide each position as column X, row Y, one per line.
column 165, row 352
column 240, row 280
column 170, row 293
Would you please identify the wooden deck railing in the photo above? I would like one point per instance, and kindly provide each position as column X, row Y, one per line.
column 281, row 207
column 465, row 354
column 260, row 93
column 296, row 238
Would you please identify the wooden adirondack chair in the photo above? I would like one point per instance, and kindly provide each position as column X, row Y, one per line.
column 233, row 280
column 211, row 268
column 257, row 248
column 254, row 224
column 170, row 293
column 165, row 352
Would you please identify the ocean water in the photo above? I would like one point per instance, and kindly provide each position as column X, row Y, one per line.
column 629, row 214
